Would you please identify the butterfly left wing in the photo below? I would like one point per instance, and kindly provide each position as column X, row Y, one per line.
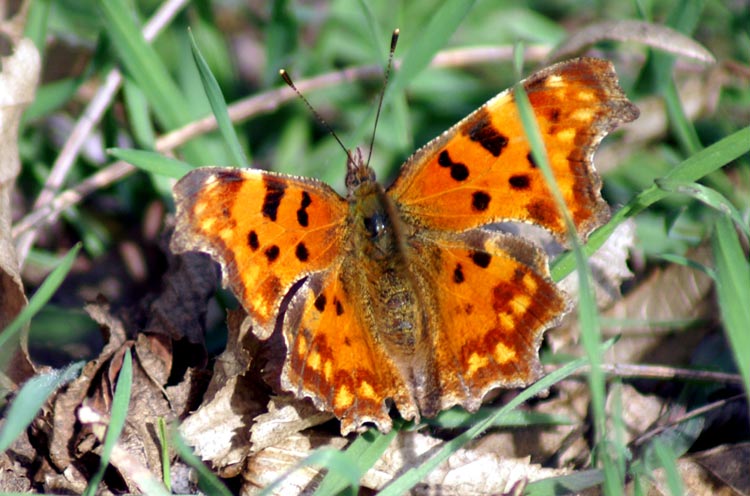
column 267, row 231
column 481, row 170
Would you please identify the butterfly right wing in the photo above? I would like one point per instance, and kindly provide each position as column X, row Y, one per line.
column 266, row 230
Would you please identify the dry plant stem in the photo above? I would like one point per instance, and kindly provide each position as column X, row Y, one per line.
column 88, row 120
column 46, row 212
column 658, row 372
column 683, row 418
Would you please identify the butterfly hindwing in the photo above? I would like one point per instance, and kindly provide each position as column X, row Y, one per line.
column 334, row 358
column 494, row 299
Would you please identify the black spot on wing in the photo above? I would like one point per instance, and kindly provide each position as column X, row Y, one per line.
column 459, row 171
column 252, row 240
column 272, row 253
column 519, row 181
column 302, row 217
column 481, row 259
column 275, row 191
column 530, row 159
column 480, row 201
column 339, row 306
column 301, row 252
column 458, row 274
column 320, row 302
column 483, row 132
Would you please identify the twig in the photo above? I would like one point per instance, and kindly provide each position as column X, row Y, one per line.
column 659, row 372
column 90, row 117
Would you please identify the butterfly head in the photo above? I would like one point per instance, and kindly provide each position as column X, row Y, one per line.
column 359, row 175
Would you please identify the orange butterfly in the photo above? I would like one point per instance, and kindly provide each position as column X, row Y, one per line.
column 400, row 295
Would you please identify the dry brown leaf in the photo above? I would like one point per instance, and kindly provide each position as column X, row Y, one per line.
column 729, row 464
column 654, row 35
column 219, row 430
column 286, row 415
column 271, row 463
column 18, row 81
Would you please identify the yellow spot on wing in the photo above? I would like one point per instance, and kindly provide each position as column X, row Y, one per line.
column 226, row 233
column 328, row 370
column 477, row 362
column 366, row 390
column 343, row 398
column 313, row 360
column 566, row 135
column 503, row 354
column 554, row 81
column 585, row 115
column 207, row 224
column 520, row 303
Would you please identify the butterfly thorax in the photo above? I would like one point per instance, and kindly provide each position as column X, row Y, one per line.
column 380, row 268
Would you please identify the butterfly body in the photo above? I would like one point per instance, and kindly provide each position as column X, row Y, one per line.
column 402, row 294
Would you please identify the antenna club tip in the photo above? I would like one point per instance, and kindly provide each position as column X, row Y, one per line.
column 282, row 72
column 396, row 32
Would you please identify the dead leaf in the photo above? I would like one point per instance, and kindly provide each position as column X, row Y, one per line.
column 650, row 34
column 18, row 81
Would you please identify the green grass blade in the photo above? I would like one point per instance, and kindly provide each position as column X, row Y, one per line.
column 733, row 288
column 42, row 295
column 668, row 462
column 588, row 314
column 145, row 68
column 136, row 106
column 364, row 452
column 119, row 412
column 574, row 483
column 708, row 196
column 432, row 38
column 30, row 399
column 218, row 105
column 692, row 169
column 166, row 474
column 152, row 162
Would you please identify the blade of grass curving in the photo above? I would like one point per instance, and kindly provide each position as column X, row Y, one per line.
column 708, row 196
column 145, row 68
column 30, row 399
column 218, row 105
column 42, row 295
column 364, row 451
column 328, row 458
column 588, row 314
column 208, row 482
column 412, row 476
column 733, row 289
column 691, row 169
column 152, row 162
column 118, row 413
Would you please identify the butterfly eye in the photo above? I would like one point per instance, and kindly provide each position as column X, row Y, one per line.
column 375, row 225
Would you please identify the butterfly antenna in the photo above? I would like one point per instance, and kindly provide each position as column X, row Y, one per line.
column 288, row 80
column 394, row 41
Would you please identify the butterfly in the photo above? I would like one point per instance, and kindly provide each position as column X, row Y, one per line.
column 401, row 295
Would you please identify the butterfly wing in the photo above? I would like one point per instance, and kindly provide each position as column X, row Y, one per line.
column 266, row 230
column 334, row 359
column 493, row 300
column 481, row 170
